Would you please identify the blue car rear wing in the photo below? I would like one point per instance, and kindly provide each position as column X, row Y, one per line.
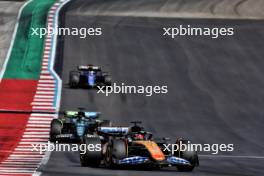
column 92, row 115
column 114, row 130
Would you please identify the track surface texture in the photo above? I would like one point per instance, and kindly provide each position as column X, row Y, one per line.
column 253, row 9
column 216, row 88
column 8, row 17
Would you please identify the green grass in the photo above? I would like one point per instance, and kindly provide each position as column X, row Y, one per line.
column 26, row 54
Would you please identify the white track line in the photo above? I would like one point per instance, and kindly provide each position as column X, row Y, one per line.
column 43, row 100
column 18, row 162
column 46, row 81
column 37, row 129
column 45, row 88
column 39, row 122
column 232, row 156
column 43, row 96
column 38, row 125
column 44, row 115
column 36, row 133
column 46, row 85
column 41, row 118
column 45, row 93
column 41, row 103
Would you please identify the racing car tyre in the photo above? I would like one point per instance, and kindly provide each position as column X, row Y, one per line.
column 91, row 157
column 74, row 79
column 190, row 156
column 55, row 129
column 108, row 80
column 116, row 150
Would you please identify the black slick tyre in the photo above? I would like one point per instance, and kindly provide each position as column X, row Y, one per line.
column 91, row 157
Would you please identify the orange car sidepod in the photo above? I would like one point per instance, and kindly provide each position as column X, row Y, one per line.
column 153, row 149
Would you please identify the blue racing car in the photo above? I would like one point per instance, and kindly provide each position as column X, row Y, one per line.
column 88, row 77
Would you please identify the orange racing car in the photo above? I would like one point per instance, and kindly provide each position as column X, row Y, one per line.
column 126, row 146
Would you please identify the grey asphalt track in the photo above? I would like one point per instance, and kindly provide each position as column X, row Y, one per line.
column 215, row 88
column 8, row 19
column 235, row 9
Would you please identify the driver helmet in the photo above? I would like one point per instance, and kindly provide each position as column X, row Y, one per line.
column 92, row 72
column 81, row 115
